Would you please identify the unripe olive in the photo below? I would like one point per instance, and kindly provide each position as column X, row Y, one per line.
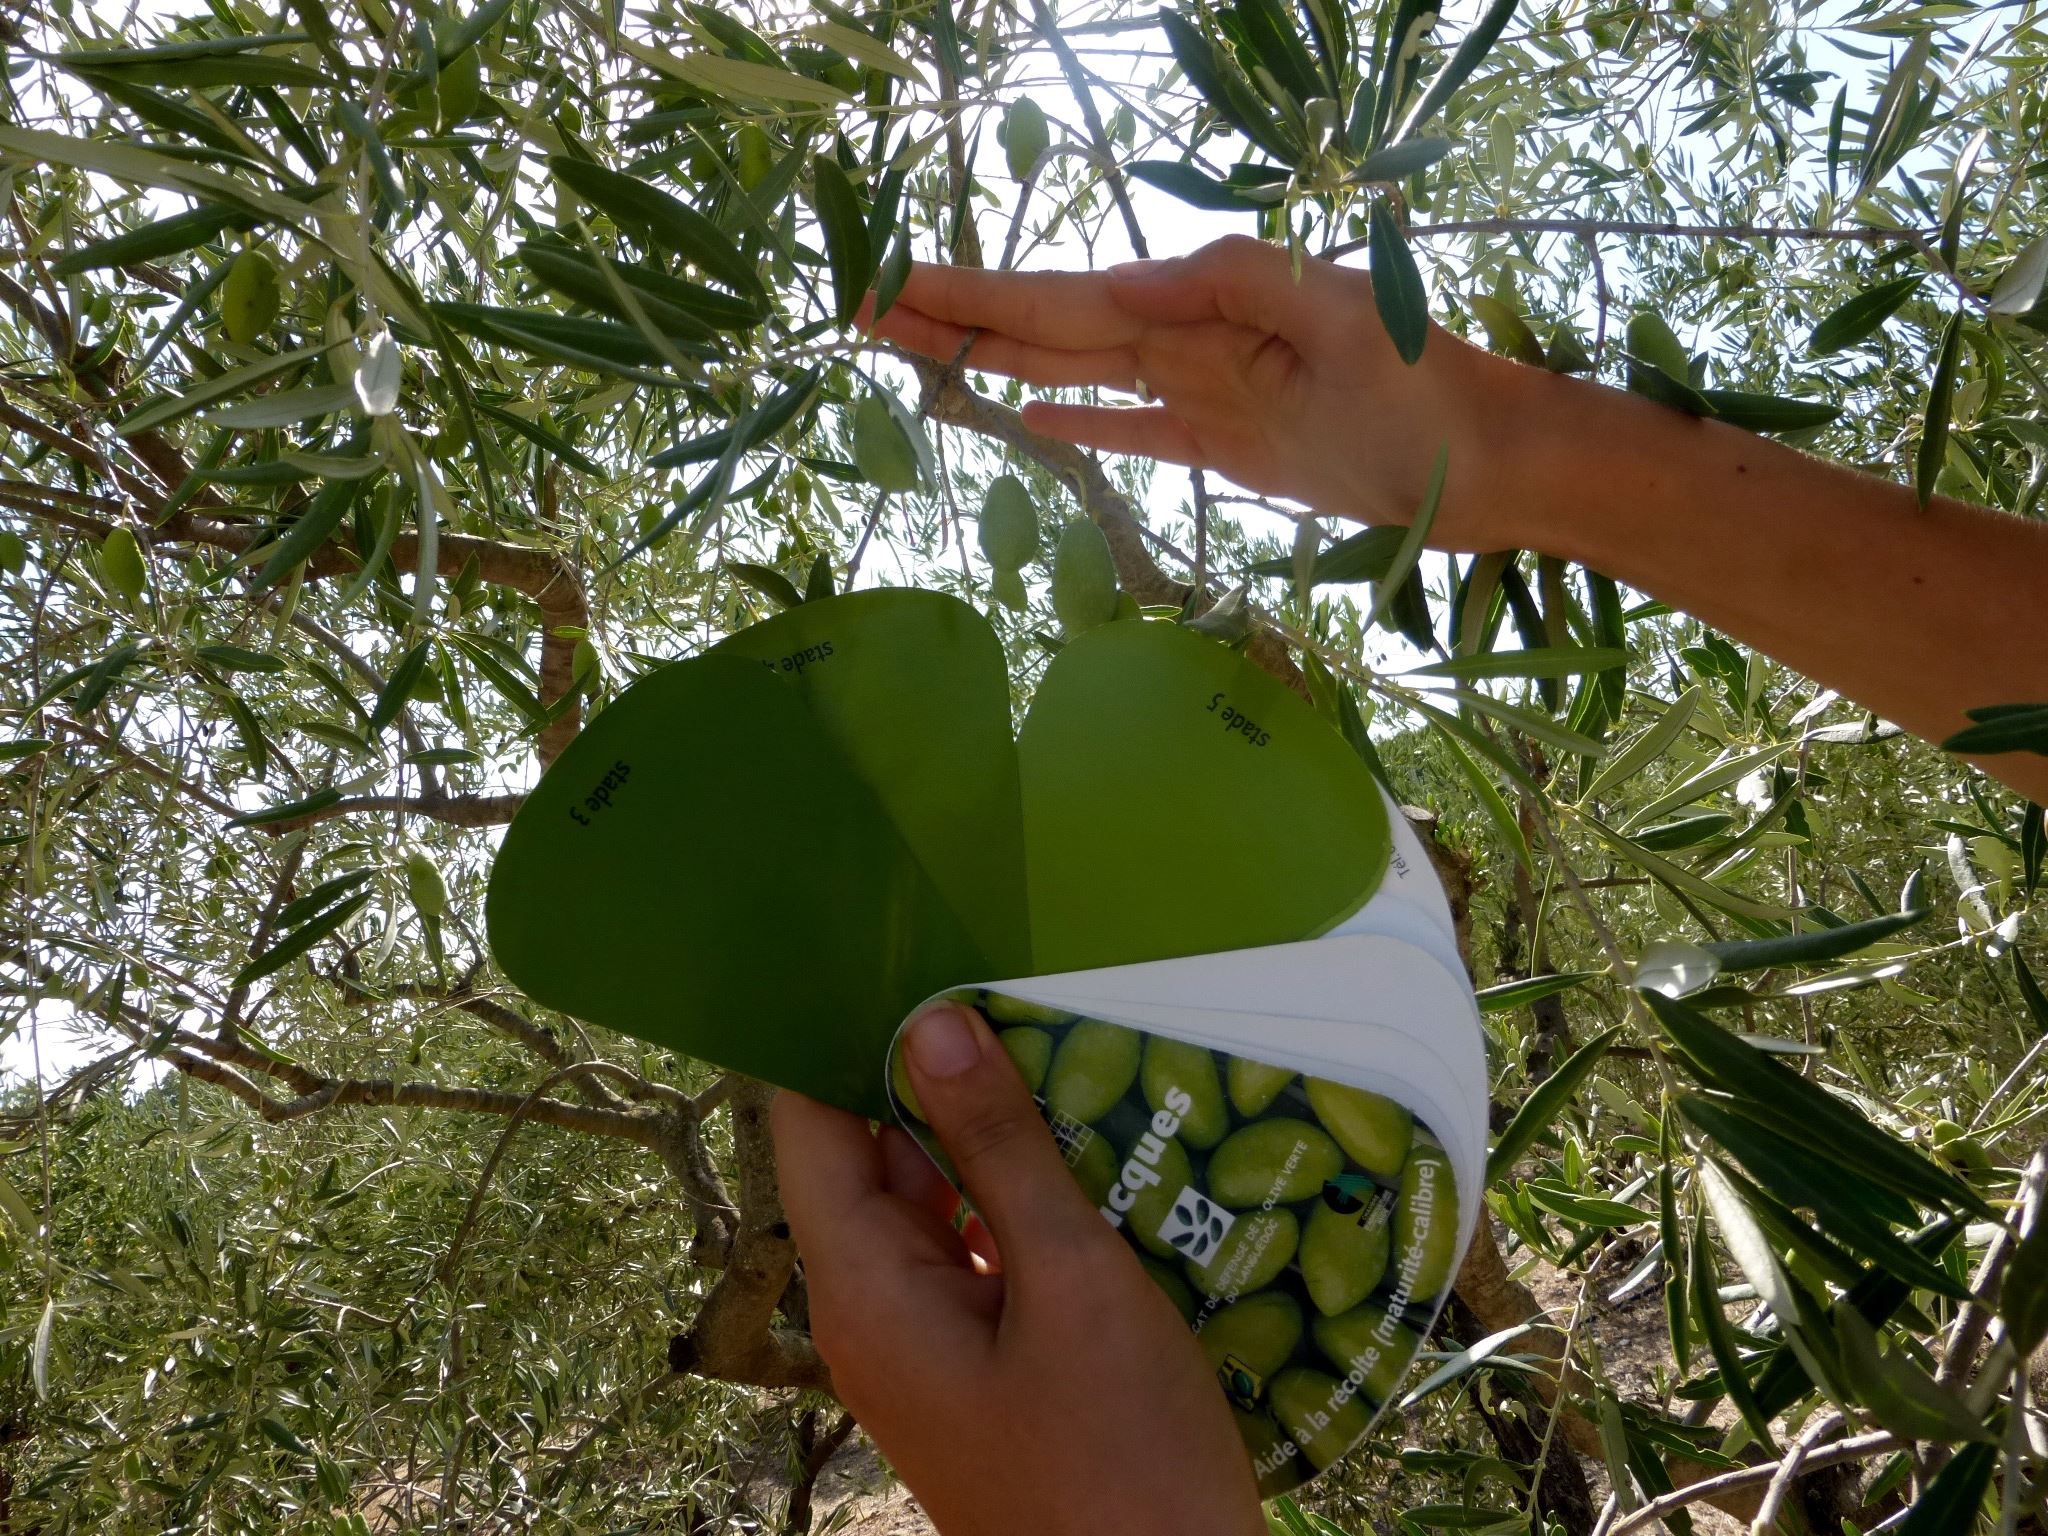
column 13, row 552
column 1009, row 524
column 1261, row 1333
column 1372, row 1129
column 1344, row 1254
column 881, row 451
column 1250, row 1257
column 1007, row 588
column 1366, row 1342
column 1279, row 1160
column 121, row 563
column 1157, row 1183
column 1652, row 340
column 1254, row 1085
column 756, row 154
column 1025, row 135
column 1173, row 1064
column 424, row 884
column 1093, row 1068
column 1307, row 1406
column 1003, row 1009
column 1031, row 1050
column 249, row 297
column 1083, row 578
column 1426, row 1221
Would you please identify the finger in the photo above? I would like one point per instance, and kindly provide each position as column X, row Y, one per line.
column 984, row 1117
column 1238, row 279
column 1155, row 433
column 835, row 1194
column 909, row 1173
column 991, row 352
column 1070, row 310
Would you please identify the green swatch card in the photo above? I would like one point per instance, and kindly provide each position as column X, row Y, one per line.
column 764, row 855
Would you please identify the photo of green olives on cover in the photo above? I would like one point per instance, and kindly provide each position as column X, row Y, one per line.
column 1306, row 1229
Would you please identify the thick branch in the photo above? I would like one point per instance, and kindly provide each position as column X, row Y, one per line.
column 734, row 1336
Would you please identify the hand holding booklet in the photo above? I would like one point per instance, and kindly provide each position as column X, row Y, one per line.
column 1209, row 941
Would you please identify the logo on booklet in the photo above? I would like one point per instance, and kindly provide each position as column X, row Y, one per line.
column 1195, row 1226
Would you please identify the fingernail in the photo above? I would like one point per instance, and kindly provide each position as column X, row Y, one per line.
column 942, row 1043
column 1129, row 269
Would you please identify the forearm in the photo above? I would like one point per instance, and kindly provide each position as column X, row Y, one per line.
column 1916, row 613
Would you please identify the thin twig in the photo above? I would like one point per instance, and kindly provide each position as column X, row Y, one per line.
column 1856, row 1448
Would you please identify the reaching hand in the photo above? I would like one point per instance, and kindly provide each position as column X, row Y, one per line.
column 1057, row 1394
column 1290, row 387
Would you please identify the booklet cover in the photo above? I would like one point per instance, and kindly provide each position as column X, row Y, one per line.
column 1212, row 944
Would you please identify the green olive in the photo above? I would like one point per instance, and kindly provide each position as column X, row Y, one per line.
column 1254, row 1085
column 1083, row 577
column 1344, row 1254
column 1009, row 524
column 881, row 450
column 1093, row 1068
column 1279, row 1160
column 1366, row 1343
column 121, row 563
column 1171, row 1064
column 1426, row 1221
column 1261, row 1333
column 1323, row 1418
column 1250, row 1257
column 1015, row 1010
column 1373, row 1130
column 249, row 297
column 1025, row 136
column 1157, row 1184
column 1168, row 1280
column 1031, row 1050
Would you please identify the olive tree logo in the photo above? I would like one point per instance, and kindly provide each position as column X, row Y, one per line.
column 1196, row 1226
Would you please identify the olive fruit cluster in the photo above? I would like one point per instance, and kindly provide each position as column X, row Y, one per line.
column 1303, row 1227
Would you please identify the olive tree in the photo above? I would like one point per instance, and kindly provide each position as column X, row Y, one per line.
column 383, row 389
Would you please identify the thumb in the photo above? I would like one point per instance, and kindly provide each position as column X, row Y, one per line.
column 983, row 1116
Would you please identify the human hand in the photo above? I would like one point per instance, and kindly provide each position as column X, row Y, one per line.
column 1290, row 388
column 1046, row 1386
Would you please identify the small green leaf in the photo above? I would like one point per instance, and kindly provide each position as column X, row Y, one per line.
column 1768, row 413
column 399, row 685
column 1814, row 947
column 848, row 246
column 238, row 658
column 662, row 220
column 1933, row 449
column 1952, row 1501
column 270, row 815
column 2002, row 728
column 1398, row 161
column 1646, row 748
column 1507, row 995
column 1863, row 316
column 771, row 584
column 2031, row 995
column 1548, row 661
column 220, row 387
column 1545, row 1104
column 1397, row 284
column 300, row 939
column 1720, row 1338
